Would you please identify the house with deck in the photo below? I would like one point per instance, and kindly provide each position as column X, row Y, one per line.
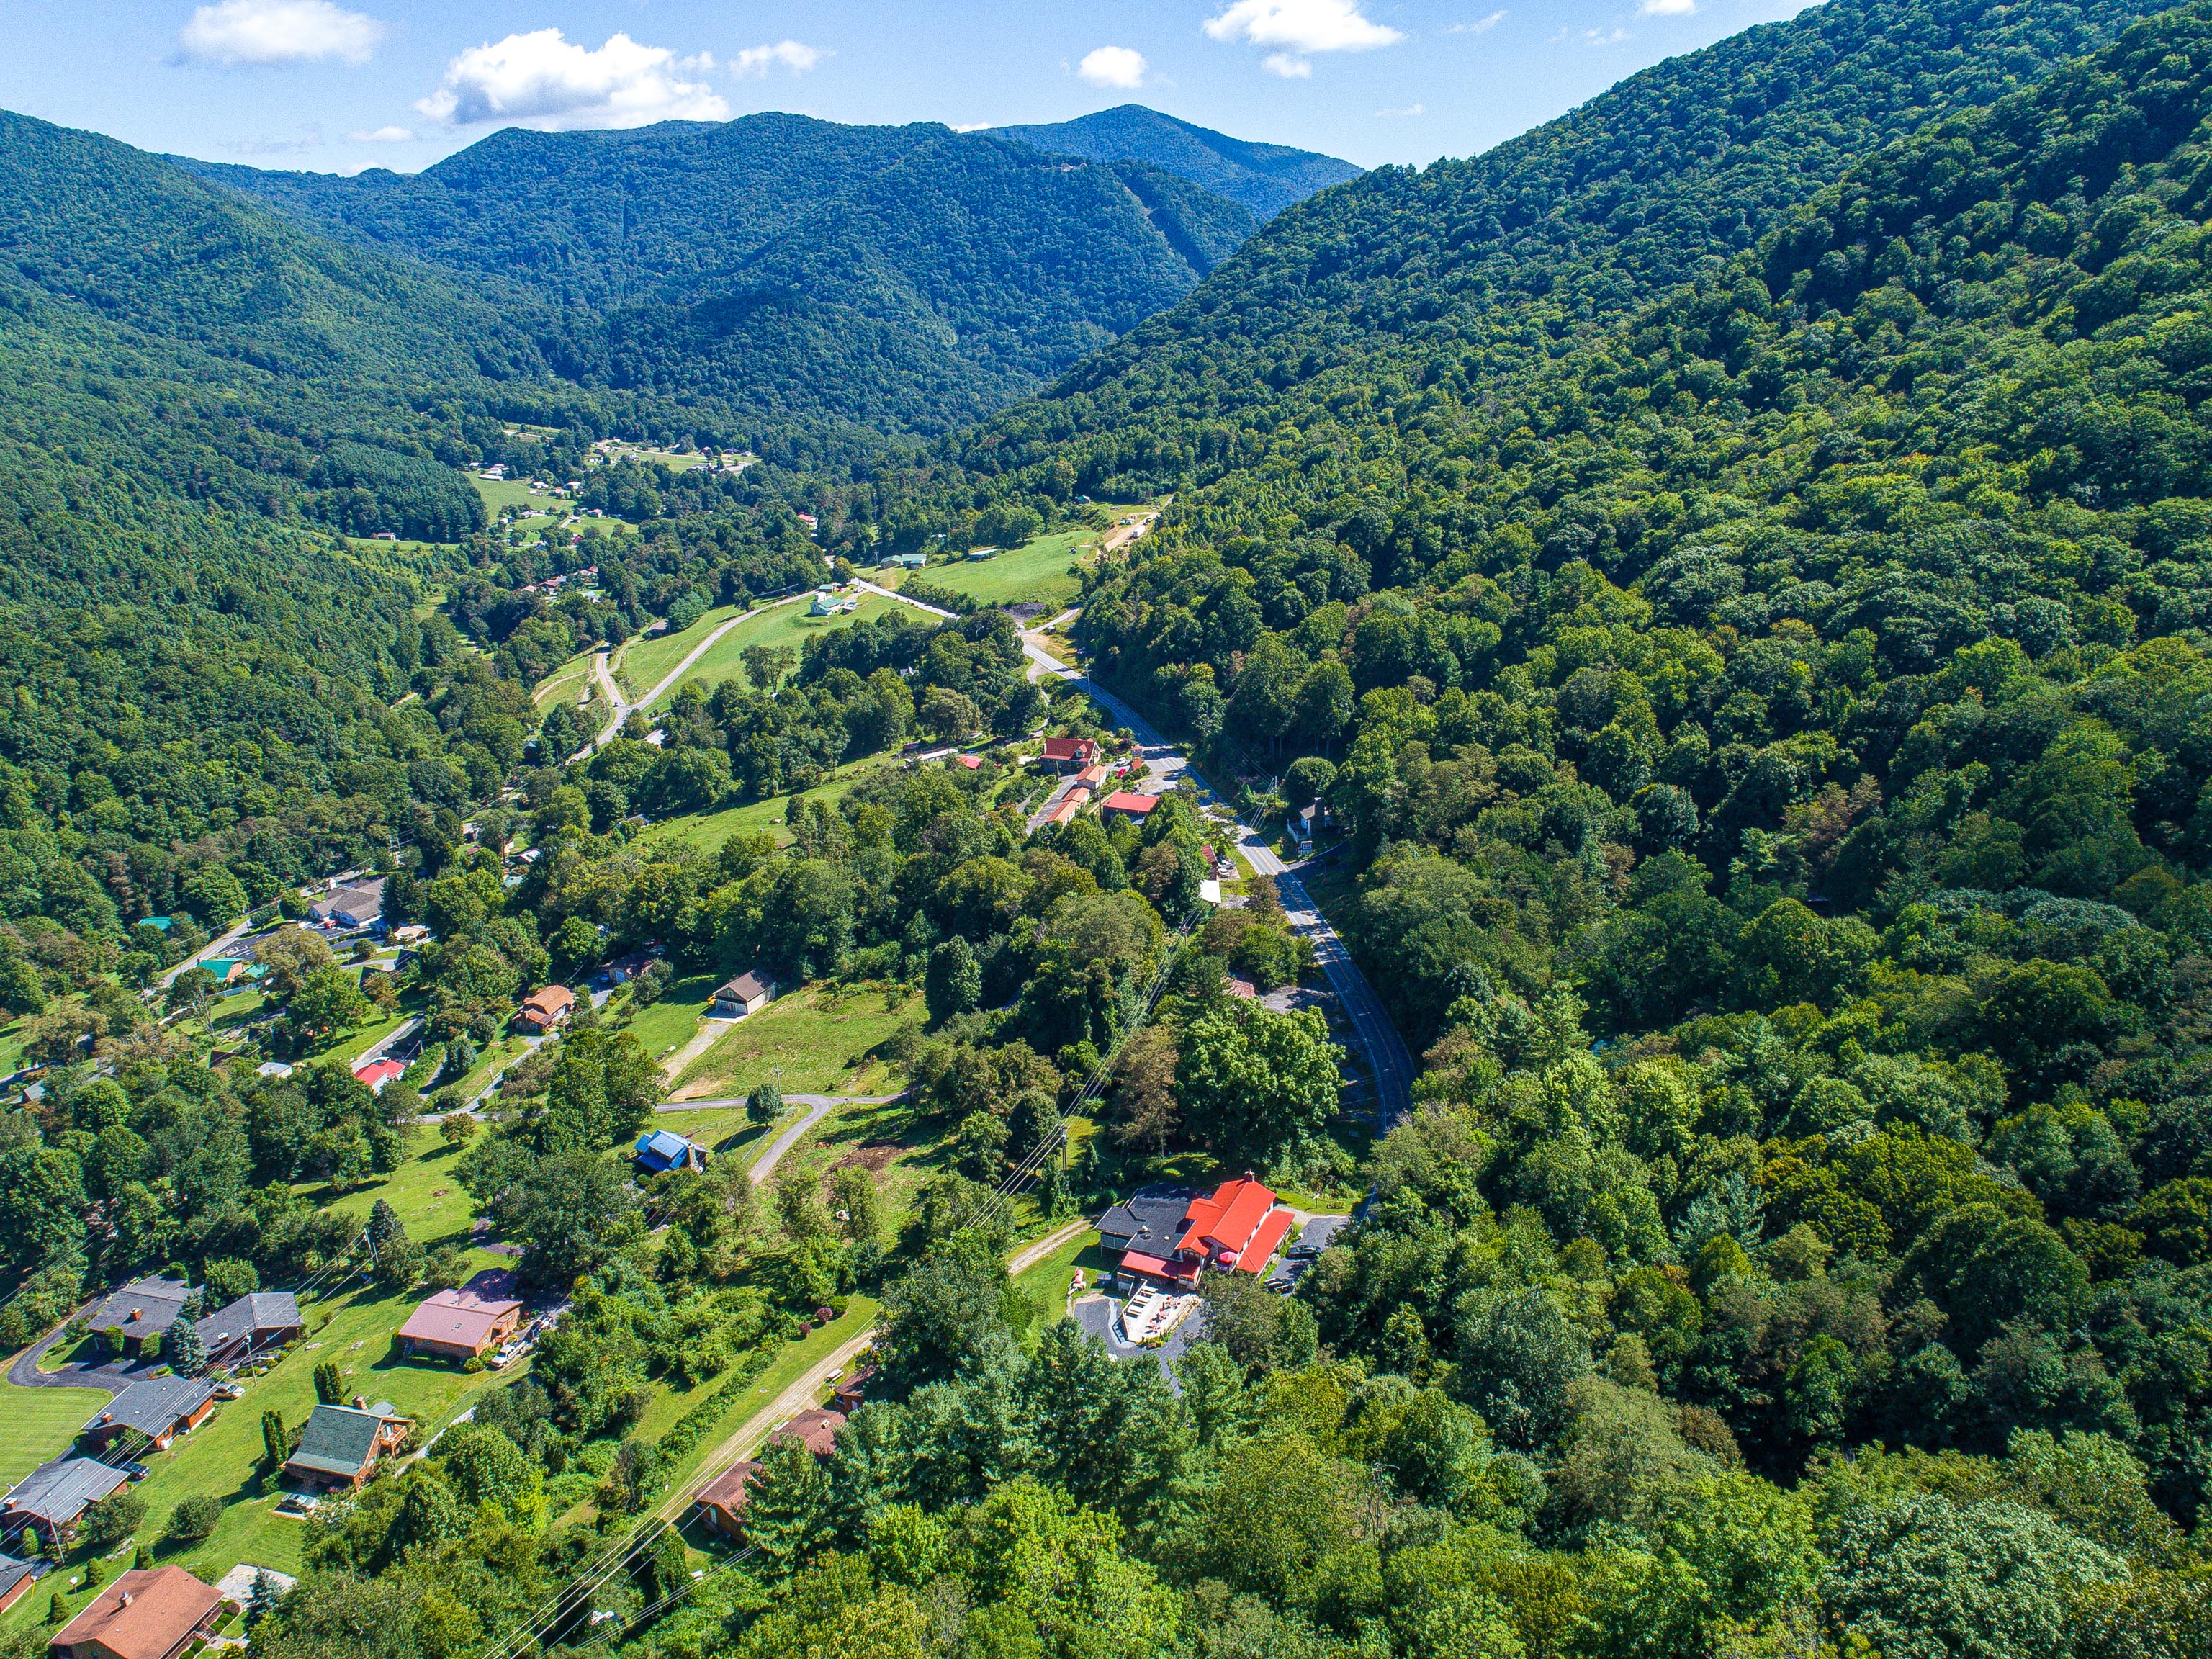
column 1166, row 1238
column 342, row 1444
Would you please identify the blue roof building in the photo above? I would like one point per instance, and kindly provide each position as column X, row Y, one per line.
column 662, row 1149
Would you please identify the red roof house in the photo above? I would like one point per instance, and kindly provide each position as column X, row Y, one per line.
column 1136, row 807
column 1068, row 753
column 463, row 1324
column 377, row 1073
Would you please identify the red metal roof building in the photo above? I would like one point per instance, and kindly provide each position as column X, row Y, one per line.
column 1237, row 1228
column 1122, row 800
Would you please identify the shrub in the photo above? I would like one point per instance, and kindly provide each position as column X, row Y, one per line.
column 113, row 1519
column 194, row 1517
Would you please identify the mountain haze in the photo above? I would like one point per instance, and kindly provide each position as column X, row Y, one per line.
column 1265, row 178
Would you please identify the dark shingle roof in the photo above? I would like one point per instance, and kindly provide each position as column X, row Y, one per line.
column 338, row 1440
column 1152, row 1215
column 157, row 1302
column 153, row 1406
column 59, row 1492
column 258, row 1310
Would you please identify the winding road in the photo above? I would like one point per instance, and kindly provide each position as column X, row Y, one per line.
column 1387, row 1056
column 622, row 709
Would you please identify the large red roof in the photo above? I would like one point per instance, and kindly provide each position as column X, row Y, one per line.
column 1227, row 1221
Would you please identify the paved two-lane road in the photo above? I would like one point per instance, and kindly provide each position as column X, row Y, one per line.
column 1387, row 1054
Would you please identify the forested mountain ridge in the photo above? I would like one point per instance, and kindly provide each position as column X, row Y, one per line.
column 793, row 270
column 1265, row 178
column 1486, row 260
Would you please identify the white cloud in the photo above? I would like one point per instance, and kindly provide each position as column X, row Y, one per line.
column 971, row 126
column 380, row 136
column 1665, row 8
column 1299, row 27
column 1410, row 109
column 542, row 80
column 277, row 31
column 1480, row 26
column 757, row 61
column 1113, row 66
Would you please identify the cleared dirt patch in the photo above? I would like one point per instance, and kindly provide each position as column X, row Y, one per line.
column 873, row 1156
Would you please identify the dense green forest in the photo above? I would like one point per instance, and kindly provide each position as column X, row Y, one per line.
column 1265, row 178
column 1733, row 563
column 781, row 271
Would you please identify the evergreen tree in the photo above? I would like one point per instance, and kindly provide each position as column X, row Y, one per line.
column 184, row 1348
column 765, row 1104
column 328, row 1388
column 276, row 1444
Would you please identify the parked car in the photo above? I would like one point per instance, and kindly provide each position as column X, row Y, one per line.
column 137, row 1471
column 1302, row 1252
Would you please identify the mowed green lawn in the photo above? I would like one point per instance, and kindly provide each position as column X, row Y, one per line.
column 642, row 663
column 813, row 1040
column 1037, row 573
column 38, row 1424
column 783, row 624
column 566, row 683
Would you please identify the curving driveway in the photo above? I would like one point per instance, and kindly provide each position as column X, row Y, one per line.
column 622, row 709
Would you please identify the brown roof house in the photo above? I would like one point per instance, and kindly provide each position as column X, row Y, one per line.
column 466, row 1323
column 721, row 1502
column 747, row 993
column 542, row 1011
column 154, row 1614
column 342, row 1444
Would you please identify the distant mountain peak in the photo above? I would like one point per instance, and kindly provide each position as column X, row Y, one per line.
column 1264, row 178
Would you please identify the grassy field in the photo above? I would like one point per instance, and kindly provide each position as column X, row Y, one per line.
column 38, row 1424
column 787, row 625
column 565, row 684
column 642, row 663
column 706, row 831
column 510, row 492
column 815, row 1038
column 1036, row 572
column 1045, row 1284
column 670, row 1022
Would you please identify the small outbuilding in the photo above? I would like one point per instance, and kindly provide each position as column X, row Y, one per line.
column 747, row 993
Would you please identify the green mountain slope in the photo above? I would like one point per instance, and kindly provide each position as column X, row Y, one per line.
column 790, row 269
column 1265, row 178
column 1356, row 294
column 188, row 388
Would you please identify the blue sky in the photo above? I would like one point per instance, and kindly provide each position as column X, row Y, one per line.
column 339, row 85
